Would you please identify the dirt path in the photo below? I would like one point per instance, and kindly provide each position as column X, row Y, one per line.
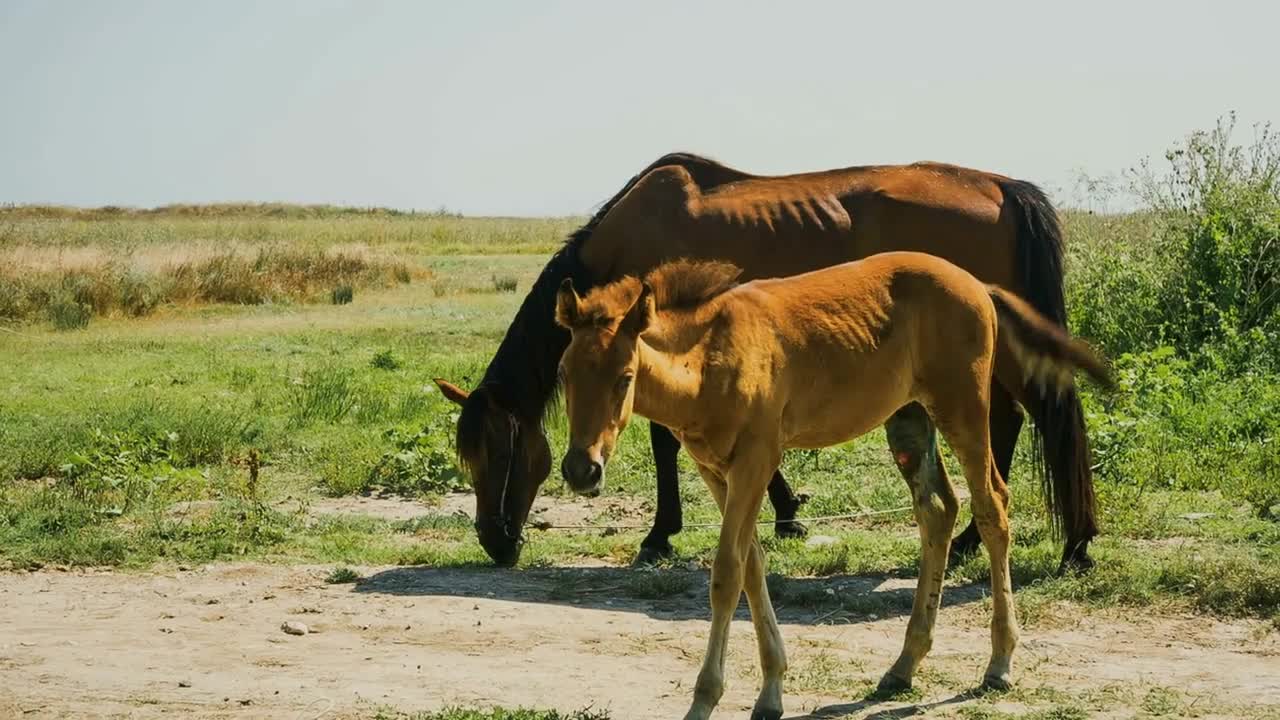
column 208, row 643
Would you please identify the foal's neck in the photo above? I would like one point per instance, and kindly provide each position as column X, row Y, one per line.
column 669, row 379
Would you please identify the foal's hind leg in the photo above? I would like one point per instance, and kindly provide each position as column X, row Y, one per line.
column 968, row 436
column 911, row 432
column 1006, row 423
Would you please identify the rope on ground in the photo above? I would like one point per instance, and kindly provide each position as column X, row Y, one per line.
column 542, row 525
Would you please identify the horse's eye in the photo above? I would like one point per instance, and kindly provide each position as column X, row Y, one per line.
column 624, row 382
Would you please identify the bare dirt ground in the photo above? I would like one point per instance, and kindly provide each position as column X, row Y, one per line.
column 207, row 642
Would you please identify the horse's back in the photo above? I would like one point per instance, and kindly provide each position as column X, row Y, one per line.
column 779, row 225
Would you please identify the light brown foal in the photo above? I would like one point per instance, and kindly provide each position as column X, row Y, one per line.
column 742, row 372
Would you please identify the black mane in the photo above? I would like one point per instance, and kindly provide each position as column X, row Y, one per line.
column 522, row 375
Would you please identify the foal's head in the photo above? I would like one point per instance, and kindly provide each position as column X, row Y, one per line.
column 598, row 369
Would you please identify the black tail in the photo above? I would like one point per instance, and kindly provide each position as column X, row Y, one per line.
column 1061, row 450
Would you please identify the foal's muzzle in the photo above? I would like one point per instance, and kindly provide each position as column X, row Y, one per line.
column 583, row 473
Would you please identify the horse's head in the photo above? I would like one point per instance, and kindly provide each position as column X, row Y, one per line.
column 507, row 458
column 598, row 372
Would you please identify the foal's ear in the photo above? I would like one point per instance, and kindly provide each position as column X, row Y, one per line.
column 451, row 391
column 641, row 314
column 567, row 305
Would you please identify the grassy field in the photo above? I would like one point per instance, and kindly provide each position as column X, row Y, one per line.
column 233, row 410
column 129, row 441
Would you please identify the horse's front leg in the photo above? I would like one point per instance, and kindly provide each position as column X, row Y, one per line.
column 669, row 518
column 738, row 559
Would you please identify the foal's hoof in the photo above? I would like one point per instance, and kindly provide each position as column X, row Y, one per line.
column 766, row 714
column 790, row 529
column 891, row 684
column 650, row 556
column 999, row 683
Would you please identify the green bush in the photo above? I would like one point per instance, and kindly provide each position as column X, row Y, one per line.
column 1220, row 204
column 67, row 313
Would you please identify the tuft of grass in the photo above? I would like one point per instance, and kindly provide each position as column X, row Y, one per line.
column 655, row 585
column 67, row 313
column 341, row 295
column 342, row 575
column 384, row 360
column 504, row 283
column 325, row 394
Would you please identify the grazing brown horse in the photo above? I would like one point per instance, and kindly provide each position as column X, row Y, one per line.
column 740, row 374
column 1003, row 231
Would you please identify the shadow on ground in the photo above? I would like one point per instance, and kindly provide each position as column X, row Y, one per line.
column 855, row 709
column 667, row 594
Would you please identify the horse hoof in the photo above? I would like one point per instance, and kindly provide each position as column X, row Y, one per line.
column 961, row 550
column 1077, row 562
column 650, row 556
column 766, row 714
column 997, row 682
column 891, row 683
column 790, row 529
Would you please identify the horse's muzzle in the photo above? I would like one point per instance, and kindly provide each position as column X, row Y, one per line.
column 500, row 543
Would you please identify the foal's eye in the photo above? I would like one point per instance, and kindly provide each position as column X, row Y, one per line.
column 624, row 382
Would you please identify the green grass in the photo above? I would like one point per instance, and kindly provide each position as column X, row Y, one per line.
column 126, row 442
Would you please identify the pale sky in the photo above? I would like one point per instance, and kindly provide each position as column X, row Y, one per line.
column 545, row 108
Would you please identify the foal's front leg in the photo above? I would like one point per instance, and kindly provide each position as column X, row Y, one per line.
column 738, row 558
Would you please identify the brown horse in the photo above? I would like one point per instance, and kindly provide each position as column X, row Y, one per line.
column 1003, row 231
column 740, row 374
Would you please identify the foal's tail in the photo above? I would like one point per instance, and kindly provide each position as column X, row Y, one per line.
column 1044, row 351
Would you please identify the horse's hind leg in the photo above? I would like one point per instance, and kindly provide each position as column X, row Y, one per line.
column 911, row 433
column 968, row 435
column 1006, row 423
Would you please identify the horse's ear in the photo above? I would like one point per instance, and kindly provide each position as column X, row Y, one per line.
column 567, row 305
column 641, row 314
column 451, row 391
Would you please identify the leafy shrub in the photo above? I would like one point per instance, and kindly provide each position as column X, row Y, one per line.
column 1172, row 426
column 1220, row 204
column 420, row 463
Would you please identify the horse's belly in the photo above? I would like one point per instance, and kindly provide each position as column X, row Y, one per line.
column 833, row 418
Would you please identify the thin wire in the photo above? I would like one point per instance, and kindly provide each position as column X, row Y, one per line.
column 821, row 518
